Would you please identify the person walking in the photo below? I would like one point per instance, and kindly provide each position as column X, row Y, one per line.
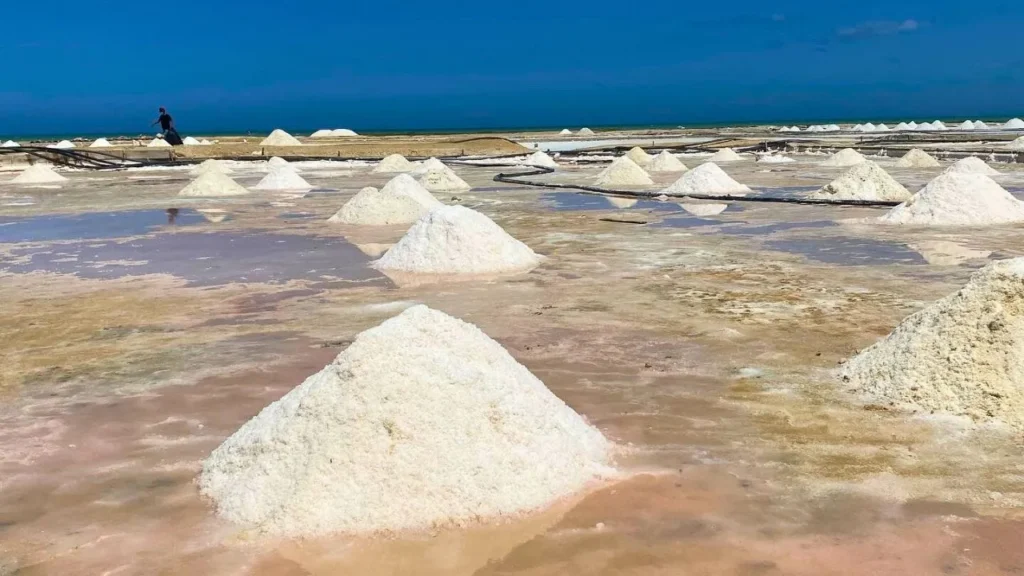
column 167, row 129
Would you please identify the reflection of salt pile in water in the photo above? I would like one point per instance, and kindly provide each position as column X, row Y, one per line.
column 441, row 178
column 213, row 215
column 393, row 163
column 100, row 143
column 639, row 156
column 400, row 201
column 962, row 355
column 704, row 209
column 158, row 143
column 585, row 132
column 10, row 144
column 210, row 165
column 422, row 422
column 843, row 158
column 917, row 158
column 725, row 155
column 707, row 178
column 280, row 138
column 213, row 184
column 539, row 158
column 972, row 165
column 666, row 162
column 865, row 181
column 38, row 174
column 190, row 141
column 944, row 253
column 457, row 240
column 282, row 178
column 623, row 172
column 621, row 203
column 958, row 199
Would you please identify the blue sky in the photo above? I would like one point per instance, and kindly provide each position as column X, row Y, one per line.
column 105, row 66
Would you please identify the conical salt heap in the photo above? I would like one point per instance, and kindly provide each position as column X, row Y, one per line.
column 962, row 355
column 966, row 125
column 443, row 179
column 282, row 178
column 10, row 144
column 725, row 155
column 707, row 178
column 1014, row 124
column 957, row 199
column 865, row 181
column 38, row 174
column 213, row 184
column 666, row 162
column 190, row 141
column 457, row 240
column 540, row 158
column 979, row 125
column 565, row 132
column 62, row 145
column 393, row 163
column 623, row 172
column 277, row 162
column 158, row 143
column 917, row 158
column 100, row 143
column 639, row 156
column 343, row 133
column 322, row 133
column 423, row 422
column 843, row 158
column 585, row 132
column 972, row 165
column 210, row 165
column 1017, row 144
column 280, row 138
column 428, row 165
column 400, row 201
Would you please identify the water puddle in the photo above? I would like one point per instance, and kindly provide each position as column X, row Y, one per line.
column 849, row 251
column 296, row 215
column 94, row 225
column 570, row 201
column 692, row 222
column 778, row 227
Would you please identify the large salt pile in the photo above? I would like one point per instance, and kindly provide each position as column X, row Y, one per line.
column 212, row 184
column 972, row 165
column 1017, row 144
column 38, row 174
column 585, row 132
column 1014, row 124
column 422, row 422
column 623, row 172
column 210, row 165
column 843, row 158
column 428, row 165
column 282, row 178
column 963, row 355
column 280, row 138
column 966, row 125
column 725, row 155
column 540, row 158
column 100, row 143
column 457, row 240
column 322, row 133
column 917, row 158
column 158, row 143
column 393, row 163
column 958, row 199
column 277, row 162
column 707, row 178
column 443, row 179
column 639, row 156
column 343, row 133
column 881, row 128
column 400, row 201
column 62, row 145
column 903, row 126
column 10, row 144
column 190, row 141
column 865, row 181
column 979, row 125
column 565, row 132
column 666, row 162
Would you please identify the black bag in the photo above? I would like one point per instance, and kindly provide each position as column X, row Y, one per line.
column 173, row 138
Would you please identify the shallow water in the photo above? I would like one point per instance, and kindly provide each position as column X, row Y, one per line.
column 569, row 201
column 94, row 225
column 849, row 251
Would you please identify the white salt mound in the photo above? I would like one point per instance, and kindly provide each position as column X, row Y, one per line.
column 540, row 158
column 565, row 132
column 205, row 142
column 422, row 422
column 38, row 174
column 100, row 143
column 725, row 155
column 321, row 134
column 704, row 209
column 158, row 143
column 972, row 165
column 457, row 240
column 280, row 138
column 62, row 145
column 10, row 144
column 707, row 178
column 276, row 162
column 1017, row 144
column 343, row 133
column 623, row 172
column 428, row 165
column 443, row 179
column 958, row 199
column 1014, row 124
column 774, row 159
column 843, row 158
column 393, row 163
column 639, row 156
column 190, row 141
column 962, row 355
column 585, row 132
column 865, row 181
column 212, row 184
column 979, row 125
column 903, row 126
column 400, row 201
column 282, row 178
column 210, row 165
column 966, row 125
column 666, row 162
column 917, row 158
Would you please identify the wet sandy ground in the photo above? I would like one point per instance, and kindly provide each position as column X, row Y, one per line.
column 140, row 329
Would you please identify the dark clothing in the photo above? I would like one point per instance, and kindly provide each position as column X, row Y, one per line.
column 165, row 121
column 172, row 137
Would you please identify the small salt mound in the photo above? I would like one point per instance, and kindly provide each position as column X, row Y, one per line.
column 158, row 143
column 400, row 201
column 343, row 133
column 913, row 125
column 423, row 422
column 1014, row 124
column 725, row 155
column 666, row 162
column 282, row 178
column 213, row 184
column 540, row 158
column 903, row 126
column 393, row 163
column 957, row 199
column 858, row 128
column 62, row 145
column 38, row 174
column 972, row 165
column 917, row 158
column 565, row 132
column 585, row 132
column 100, row 143
column 443, row 179
column 10, row 144
column 966, row 125
column 623, row 172
column 774, row 159
column 206, row 142
column 621, row 203
column 707, row 178
column 979, row 125
column 210, row 165
column 865, row 181
column 280, row 138
column 190, row 141
column 704, row 209
column 428, row 165
column 457, row 240
column 938, row 125
column 1017, row 144
column 962, row 355
column 869, row 127
column 276, row 162
column 881, row 128
column 843, row 158
column 639, row 156
column 832, row 128
column 321, row 134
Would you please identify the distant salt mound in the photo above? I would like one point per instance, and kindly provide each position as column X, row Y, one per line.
column 10, row 144
column 832, row 128
column 343, row 133
column 190, row 141
column 865, row 181
column 903, row 127
column 938, row 125
column 100, row 143
column 666, row 162
column 623, row 172
column 1014, row 124
column 972, row 165
column 962, row 355
column 213, row 184
column 38, row 174
column 540, row 158
column 158, row 143
column 278, row 162
column 843, row 158
column 62, row 145
column 282, row 178
column 917, row 158
column 979, row 125
column 565, row 132
column 869, row 127
column 428, row 165
column 280, row 138
column 725, row 155
column 322, row 133
column 966, row 125
column 423, row 422
column 400, row 201
column 393, row 163
column 639, row 156
column 703, row 210
column 621, row 203
column 585, row 132
column 958, row 199
column 210, row 165
column 913, row 125
column 443, row 179
column 457, row 240
column 1017, row 144
column 205, row 142
column 774, row 159
column 881, row 128
column 707, row 178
